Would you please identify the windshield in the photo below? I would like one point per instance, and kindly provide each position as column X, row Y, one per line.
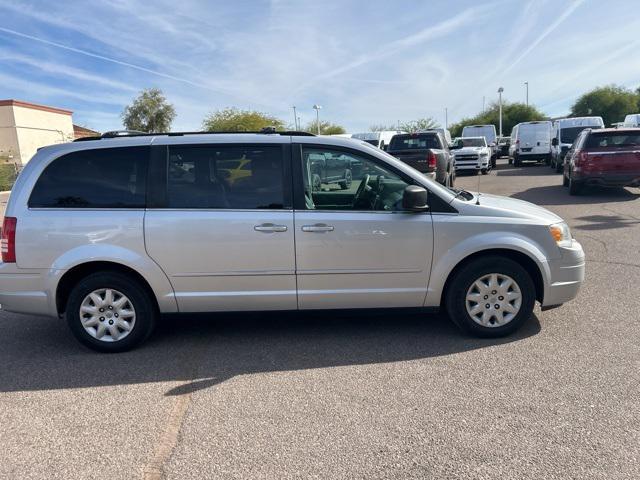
column 373, row 142
column 487, row 131
column 471, row 142
column 569, row 135
column 598, row 140
column 414, row 142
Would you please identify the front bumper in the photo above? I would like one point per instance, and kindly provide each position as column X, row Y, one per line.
column 484, row 163
column 24, row 291
column 566, row 275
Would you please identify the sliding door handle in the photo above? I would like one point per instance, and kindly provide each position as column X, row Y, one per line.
column 270, row 228
column 318, row 227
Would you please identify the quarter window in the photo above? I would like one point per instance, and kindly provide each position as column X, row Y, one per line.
column 337, row 180
column 101, row 178
column 212, row 177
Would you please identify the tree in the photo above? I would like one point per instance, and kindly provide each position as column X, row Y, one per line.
column 419, row 125
column 326, row 128
column 150, row 112
column 232, row 119
column 612, row 103
column 512, row 114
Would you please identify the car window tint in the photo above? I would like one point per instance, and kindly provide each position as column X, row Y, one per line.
column 622, row 139
column 408, row 142
column 234, row 177
column 337, row 180
column 101, row 178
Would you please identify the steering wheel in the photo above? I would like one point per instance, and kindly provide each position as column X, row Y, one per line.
column 364, row 184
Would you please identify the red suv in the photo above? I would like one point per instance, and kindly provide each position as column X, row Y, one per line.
column 606, row 157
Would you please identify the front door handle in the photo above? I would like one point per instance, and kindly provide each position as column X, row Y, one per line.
column 318, row 227
column 270, row 227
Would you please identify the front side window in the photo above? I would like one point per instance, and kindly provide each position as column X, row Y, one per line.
column 225, row 177
column 337, row 180
column 101, row 178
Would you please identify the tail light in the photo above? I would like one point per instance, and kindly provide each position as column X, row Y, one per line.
column 580, row 158
column 8, row 241
column 432, row 160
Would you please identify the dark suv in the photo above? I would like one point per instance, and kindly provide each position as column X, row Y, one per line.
column 427, row 152
column 606, row 157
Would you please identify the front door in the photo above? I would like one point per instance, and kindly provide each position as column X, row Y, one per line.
column 356, row 247
column 222, row 230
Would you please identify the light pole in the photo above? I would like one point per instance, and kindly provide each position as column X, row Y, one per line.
column 446, row 118
column 483, row 104
column 295, row 118
column 526, row 84
column 500, row 90
column 317, row 108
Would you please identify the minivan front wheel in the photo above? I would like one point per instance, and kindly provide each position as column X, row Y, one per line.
column 490, row 297
column 110, row 312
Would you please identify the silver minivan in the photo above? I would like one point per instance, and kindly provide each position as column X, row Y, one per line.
column 109, row 233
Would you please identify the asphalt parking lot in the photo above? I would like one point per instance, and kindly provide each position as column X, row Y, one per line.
column 386, row 395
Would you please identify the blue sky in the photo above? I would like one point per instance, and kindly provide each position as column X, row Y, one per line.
column 366, row 62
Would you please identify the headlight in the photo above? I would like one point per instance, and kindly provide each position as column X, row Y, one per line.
column 561, row 234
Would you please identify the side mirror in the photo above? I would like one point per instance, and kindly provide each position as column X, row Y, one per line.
column 554, row 142
column 414, row 199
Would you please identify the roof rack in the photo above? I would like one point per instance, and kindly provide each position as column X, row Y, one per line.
column 136, row 133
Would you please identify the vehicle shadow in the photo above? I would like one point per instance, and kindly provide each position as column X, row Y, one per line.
column 527, row 169
column 605, row 222
column 559, row 195
column 203, row 351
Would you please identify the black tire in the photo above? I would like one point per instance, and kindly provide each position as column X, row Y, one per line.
column 510, row 161
column 548, row 160
column 484, row 171
column 348, row 180
column 517, row 162
column 146, row 311
column 575, row 188
column 455, row 301
column 565, row 180
column 452, row 178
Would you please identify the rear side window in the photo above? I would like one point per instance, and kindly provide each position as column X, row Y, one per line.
column 621, row 139
column 101, row 178
column 409, row 142
column 225, row 177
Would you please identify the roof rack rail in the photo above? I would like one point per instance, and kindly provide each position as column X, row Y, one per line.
column 135, row 133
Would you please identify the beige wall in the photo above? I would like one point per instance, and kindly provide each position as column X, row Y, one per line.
column 8, row 134
column 33, row 128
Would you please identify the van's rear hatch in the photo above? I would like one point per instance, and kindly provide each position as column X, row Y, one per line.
column 612, row 153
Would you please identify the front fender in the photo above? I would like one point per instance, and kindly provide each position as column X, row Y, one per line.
column 447, row 257
column 142, row 264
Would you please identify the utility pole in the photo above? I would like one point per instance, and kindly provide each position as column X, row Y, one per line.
column 446, row 118
column 526, row 84
column 295, row 118
column 500, row 90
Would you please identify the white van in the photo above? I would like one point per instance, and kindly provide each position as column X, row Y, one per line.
column 486, row 131
column 446, row 134
column 377, row 139
column 632, row 120
column 564, row 133
column 532, row 142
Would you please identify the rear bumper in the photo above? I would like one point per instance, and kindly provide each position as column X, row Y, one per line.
column 609, row 180
column 533, row 157
column 24, row 291
column 565, row 276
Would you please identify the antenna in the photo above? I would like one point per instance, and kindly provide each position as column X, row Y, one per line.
column 479, row 175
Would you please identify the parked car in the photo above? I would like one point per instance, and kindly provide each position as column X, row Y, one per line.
column 471, row 153
column 532, row 143
column 328, row 169
column 564, row 133
column 632, row 120
column 512, row 145
column 503, row 146
column 427, row 152
column 605, row 157
column 486, row 131
column 377, row 139
column 100, row 233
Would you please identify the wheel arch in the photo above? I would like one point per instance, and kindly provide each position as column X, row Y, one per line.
column 72, row 276
column 524, row 260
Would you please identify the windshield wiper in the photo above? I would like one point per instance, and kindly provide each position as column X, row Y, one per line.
column 462, row 193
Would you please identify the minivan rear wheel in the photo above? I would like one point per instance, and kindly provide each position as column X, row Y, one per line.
column 110, row 312
column 490, row 297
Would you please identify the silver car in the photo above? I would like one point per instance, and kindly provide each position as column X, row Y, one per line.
column 109, row 233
